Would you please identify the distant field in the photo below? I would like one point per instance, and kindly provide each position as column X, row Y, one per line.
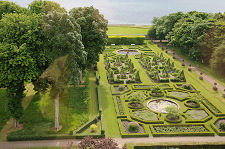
column 128, row 30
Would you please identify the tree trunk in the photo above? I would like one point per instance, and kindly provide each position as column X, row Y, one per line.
column 16, row 123
column 81, row 77
column 57, row 111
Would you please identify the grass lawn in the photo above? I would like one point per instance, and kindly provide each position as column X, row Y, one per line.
column 74, row 111
column 127, row 30
column 205, row 68
column 109, row 114
column 4, row 113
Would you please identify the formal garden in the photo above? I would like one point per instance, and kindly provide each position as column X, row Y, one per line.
column 161, row 100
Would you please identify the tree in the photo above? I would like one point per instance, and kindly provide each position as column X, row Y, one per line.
column 217, row 61
column 10, row 7
column 17, row 67
column 23, row 57
column 93, row 30
column 44, row 7
column 63, row 39
column 189, row 31
column 213, row 38
column 57, row 75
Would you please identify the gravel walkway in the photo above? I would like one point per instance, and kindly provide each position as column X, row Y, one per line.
column 150, row 140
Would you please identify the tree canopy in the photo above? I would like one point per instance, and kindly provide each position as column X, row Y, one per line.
column 93, row 30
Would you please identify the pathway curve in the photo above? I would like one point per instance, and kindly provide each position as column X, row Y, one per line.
column 198, row 71
column 150, row 140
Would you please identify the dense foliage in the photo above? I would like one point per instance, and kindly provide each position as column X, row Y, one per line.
column 38, row 41
column 196, row 34
column 93, row 30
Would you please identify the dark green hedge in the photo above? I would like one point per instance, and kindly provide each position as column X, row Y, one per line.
column 126, row 40
column 12, row 137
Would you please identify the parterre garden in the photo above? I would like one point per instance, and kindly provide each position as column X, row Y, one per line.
column 168, row 106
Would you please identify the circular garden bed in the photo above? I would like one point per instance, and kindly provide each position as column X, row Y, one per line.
column 160, row 105
column 126, row 128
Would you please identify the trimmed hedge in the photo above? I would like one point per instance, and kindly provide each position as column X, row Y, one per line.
column 212, row 108
column 216, row 129
column 155, row 134
column 131, row 135
column 120, row 112
column 145, row 121
column 11, row 137
column 126, row 40
column 189, row 120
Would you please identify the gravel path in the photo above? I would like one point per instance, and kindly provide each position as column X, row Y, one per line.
column 150, row 140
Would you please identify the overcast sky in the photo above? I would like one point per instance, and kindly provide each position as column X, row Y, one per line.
column 139, row 11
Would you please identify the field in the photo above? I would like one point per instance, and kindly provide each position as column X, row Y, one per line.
column 124, row 30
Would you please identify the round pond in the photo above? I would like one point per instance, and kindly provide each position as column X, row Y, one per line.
column 160, row 105
column 129, row 51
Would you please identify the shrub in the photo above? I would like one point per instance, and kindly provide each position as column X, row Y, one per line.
column 90, row 143
column 183, row 64
column 222, row 126
column 186, row 86
column 224, row 93
column 133, row 127
column 215, row 87
column 200, row 77
column 197, row 98
column 189, row 68
column 156, row 89
column 172, row 113
column 93, row 128
column 121, row 88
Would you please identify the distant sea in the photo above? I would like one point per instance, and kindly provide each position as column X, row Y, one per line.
column 139, row 12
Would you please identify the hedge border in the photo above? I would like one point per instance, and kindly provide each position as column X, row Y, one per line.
column 189, row 120
column 119, row 93
column 145, row 121
column 180, row 99
column 179, row 88
column 117, row 108
column 131, row 135
column 208, row 133
column 210, row 108
column 213, row 126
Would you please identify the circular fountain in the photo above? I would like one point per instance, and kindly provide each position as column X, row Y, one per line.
column 127, row 51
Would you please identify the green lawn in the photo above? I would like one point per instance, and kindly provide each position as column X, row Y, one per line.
column 75, row 110
column 4, row 113
column 109, row 114
column 127, row 30
column 205, row 68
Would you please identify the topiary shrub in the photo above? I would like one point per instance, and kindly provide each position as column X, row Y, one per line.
column 224, row 93
column 215, row 87
column 172, row 113
column 222, row 126
column 189, row 68
column 201, row 77
column 121, row 88
column 133, row 127
column 93, row 128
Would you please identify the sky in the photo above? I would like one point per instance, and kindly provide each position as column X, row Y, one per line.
column 140, row 12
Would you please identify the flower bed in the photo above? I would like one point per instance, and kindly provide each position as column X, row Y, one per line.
column 145, row 115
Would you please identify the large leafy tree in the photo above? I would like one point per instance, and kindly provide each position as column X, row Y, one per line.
column 189, row 31
column 218, row 59
column 63, row 40
column 162, row 26
column 42, row 6
column 93, row 30
column 213, row 38
column 10, row 7
column 23, row 57
column 17, row 67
